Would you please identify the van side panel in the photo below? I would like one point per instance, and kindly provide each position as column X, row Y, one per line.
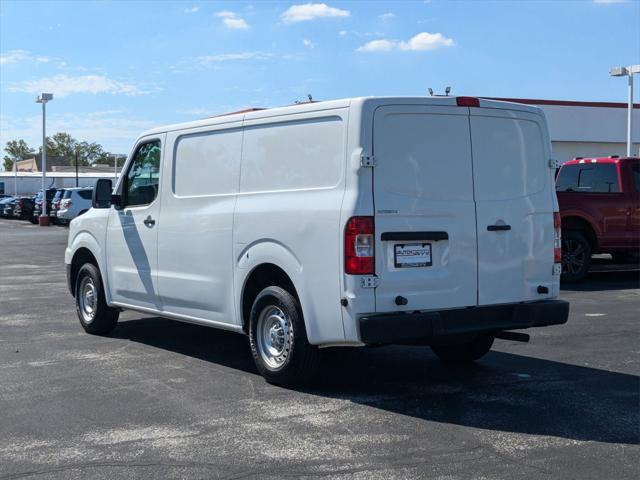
column 195, row 228
column 288, row 210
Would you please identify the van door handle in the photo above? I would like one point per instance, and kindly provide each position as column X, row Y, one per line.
column 498, row 228
column 149, row 222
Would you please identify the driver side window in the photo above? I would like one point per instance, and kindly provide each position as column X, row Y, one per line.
column 141, row 182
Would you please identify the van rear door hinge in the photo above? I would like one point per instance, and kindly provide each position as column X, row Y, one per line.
column 367, row 161
column 553, row 163
column 369, row 282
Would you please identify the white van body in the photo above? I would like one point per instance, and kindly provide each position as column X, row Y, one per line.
column 273, row 190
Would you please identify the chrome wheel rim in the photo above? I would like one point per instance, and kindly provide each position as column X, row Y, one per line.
column 88, row 299
column 274, row 336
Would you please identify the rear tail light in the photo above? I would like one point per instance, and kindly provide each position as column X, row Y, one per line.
column 557, row 238
column 359, row 258
column 467, row 102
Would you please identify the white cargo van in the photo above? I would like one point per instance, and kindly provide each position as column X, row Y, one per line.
column 342, row 223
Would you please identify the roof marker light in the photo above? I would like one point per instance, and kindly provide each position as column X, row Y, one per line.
column 467, row 101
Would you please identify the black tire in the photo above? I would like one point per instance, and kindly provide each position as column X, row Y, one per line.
column 102, row 319
column 297, row 360
column 576, row 256
column 33, row 219
column 464, row 352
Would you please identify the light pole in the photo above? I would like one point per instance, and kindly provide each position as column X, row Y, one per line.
column 627, row 72
column 43, row 99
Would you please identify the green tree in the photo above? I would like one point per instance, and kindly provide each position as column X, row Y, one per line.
column 16, row 150
column 64, row 145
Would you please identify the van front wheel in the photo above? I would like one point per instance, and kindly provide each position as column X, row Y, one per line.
column 464, row 352
column 95, row 316
column 278, row 339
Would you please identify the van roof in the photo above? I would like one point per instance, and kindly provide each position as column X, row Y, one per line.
column 316, row 106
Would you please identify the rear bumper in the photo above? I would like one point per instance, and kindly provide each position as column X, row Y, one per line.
column 428, row 326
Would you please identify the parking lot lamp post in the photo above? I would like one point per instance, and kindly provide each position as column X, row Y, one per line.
column 43, row 99
column 627, row 72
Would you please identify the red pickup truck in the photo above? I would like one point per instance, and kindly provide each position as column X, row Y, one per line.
column 600, row 209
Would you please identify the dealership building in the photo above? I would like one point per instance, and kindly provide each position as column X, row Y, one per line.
column 587, row 129
column 577, row 129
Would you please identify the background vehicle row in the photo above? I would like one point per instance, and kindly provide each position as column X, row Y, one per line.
column 63, row 205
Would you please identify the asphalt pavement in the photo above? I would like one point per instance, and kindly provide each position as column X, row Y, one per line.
column 163, row 399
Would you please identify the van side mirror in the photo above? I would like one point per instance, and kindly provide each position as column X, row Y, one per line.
column 101, row 197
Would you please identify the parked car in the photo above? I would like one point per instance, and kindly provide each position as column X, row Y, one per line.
column 37, row 207
column 6, row 207
column 55, row 203
column 75, row 202
column 24, row 209
column 354, row 222
column 600, row 208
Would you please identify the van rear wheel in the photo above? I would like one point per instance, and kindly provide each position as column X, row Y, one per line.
column 95, row 316
column 464, row 352
column 278, row 339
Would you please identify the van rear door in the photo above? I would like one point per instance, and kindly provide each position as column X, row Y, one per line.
column 514, row 203
column 425, row 217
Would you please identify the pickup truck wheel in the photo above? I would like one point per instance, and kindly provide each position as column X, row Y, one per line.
column 576, row 257
column 278, row 339
column 464, row 352
column 95, row 316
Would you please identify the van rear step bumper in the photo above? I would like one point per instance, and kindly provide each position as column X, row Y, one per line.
column 427, row 326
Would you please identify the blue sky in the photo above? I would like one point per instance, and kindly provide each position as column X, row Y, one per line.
column 117, row 68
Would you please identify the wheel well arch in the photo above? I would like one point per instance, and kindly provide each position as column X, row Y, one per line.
column 575, row 223
column 262, row 276
column 80, row 257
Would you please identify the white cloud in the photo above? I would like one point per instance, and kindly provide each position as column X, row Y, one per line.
column 227, row 57
column 62, row 85
column 17, row 56
column 194, row 9
column 421, row 42
column 378, row 46
column 311, row 11
column 342, row 33
column 308, row 43
column 232, row 20
column 387, row 16
column 426, row 41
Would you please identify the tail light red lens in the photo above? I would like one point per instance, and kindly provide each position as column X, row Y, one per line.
column 359, row 257
column 557, row 238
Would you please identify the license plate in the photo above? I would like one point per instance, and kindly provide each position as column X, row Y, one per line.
column 412, row 255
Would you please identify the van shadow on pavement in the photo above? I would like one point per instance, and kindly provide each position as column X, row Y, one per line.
column 503, row 392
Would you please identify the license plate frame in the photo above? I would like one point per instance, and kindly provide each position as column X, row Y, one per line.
column 415, row 255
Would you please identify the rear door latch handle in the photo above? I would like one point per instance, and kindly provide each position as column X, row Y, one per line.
column 498, row 228
column 149, row 222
